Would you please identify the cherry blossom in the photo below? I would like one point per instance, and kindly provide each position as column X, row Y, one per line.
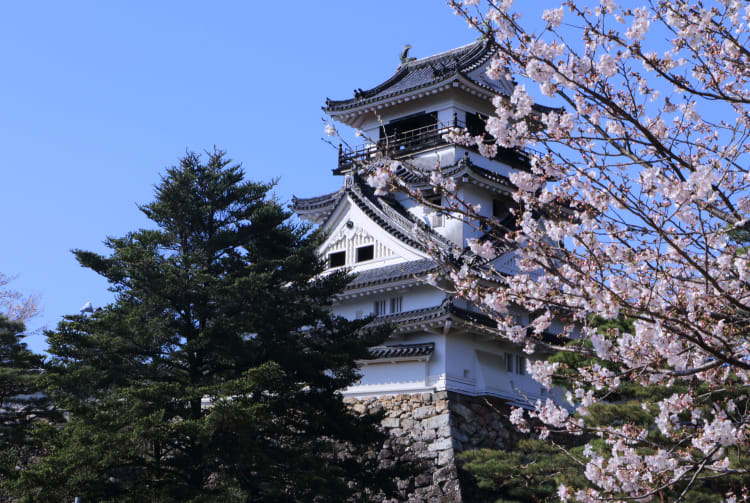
column 553, row 16
column 634, row 206
column 482, row 249
column 380, row 179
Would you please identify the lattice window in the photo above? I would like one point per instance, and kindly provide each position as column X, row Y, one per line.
column 379, row 307
column 396, row 304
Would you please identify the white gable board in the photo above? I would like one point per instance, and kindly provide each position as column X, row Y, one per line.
column 350, row 228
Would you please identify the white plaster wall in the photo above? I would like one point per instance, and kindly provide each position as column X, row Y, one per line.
column 476, row 196
column 461, row 370
column 410, row 373
column 445, row 156
column 462, row 362
column 455, row 228
column 485, row 361
column 466, row 102
column 404, row 376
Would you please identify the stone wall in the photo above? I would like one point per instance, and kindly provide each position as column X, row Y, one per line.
column 429, row 429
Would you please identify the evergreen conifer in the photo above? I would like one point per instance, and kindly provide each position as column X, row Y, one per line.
column 214, row 375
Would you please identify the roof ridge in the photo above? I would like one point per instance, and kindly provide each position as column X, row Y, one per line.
column 427, row 59
column 422, row 72
column 317, row 198
column 399, row 216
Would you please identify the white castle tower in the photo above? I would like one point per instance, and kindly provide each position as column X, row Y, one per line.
column 446, row 375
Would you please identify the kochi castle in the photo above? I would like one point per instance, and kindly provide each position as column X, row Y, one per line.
column 440, row 342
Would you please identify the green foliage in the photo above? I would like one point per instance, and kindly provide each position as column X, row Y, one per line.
column 530, row 472
column 214, row 374
column 24, row 411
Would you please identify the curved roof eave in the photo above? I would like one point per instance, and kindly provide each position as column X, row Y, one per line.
column 424, row 75
column 317, row 209
column 459, row 81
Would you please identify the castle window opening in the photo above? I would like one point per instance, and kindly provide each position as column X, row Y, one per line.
column 365, row 253
column 337, row 259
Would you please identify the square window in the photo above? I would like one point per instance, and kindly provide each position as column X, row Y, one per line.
column 337, row 259
column 365, row 253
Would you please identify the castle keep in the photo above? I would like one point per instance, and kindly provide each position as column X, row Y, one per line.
column 446, row 378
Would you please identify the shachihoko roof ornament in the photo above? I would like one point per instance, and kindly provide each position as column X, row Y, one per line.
column 463, row 65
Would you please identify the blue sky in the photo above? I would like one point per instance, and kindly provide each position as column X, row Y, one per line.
column 97, row 98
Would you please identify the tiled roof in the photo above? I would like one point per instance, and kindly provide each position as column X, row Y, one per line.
column 392, row 273
column 402, row 351
column 416, row 315
column 393, row 217
column 488, row 174
column 390, row 214
column 385, row 211
column 447, row 310
column 412, row 176
column 313, row 203
column 467, row 60
column 317, row 209
column 471, row 316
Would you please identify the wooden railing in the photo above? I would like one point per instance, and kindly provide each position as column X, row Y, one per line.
column 401, row 144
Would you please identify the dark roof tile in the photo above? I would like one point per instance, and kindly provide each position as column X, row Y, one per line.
column 468, row 60
column 392, row 273
column 309, row 203
column 402, row 351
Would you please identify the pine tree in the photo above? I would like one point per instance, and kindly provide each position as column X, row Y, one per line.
column 24, row 410
column 214, row 374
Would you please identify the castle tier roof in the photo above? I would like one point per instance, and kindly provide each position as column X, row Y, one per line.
column 402, row 351
column 437, row 316
column 447, row 309
column 499, row 182
column 390, row 273
column 384, row 211
column 468, row 61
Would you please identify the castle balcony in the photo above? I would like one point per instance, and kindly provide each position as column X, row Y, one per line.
column 399, row 145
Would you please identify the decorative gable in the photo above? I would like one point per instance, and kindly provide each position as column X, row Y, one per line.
column 356, row 244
